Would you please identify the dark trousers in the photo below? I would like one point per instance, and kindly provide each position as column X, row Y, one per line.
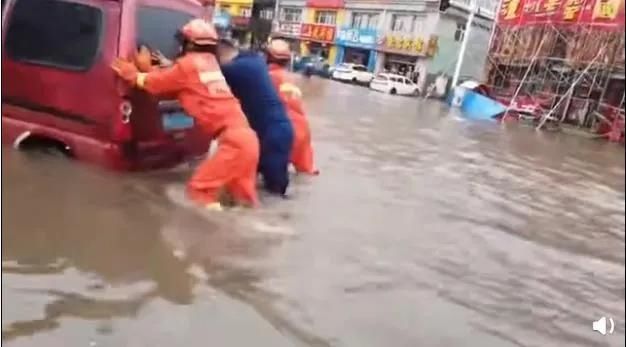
column 276, row 146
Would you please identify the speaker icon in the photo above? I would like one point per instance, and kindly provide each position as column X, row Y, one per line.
column 600, row 326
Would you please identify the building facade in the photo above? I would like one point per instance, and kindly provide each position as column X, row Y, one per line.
column 319, row 28
column 311, row 26
column 408, row 37
column 239, row 13
column 451, row 30
column 357, row 38
column 407, row 42
column 291, row 14
column 261, row 24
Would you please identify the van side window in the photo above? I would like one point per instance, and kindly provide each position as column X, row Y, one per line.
column 157, row 29
column 56, row 33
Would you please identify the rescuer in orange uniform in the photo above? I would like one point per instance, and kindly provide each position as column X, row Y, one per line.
column 198, row 84
column 278, row 57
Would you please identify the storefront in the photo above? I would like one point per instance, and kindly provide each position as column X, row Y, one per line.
column 406, row 56
column 318, row 40
column 320, row 27
column 357, row 46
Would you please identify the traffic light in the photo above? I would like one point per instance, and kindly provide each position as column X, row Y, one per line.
column 443, row 5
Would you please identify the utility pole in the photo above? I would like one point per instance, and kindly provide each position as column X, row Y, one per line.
column 276, row 14
column 466, row 34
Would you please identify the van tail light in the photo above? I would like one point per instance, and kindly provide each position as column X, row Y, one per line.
column 122, row 130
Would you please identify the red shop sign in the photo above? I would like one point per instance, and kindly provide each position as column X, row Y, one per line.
column 240, row 21
column 609, row 13
column 318, row 32
column 325, row 3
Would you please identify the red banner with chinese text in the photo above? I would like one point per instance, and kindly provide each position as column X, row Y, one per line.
column 608, row 13
column 317, row 32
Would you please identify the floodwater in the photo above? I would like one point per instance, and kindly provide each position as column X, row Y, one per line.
column 422, row 230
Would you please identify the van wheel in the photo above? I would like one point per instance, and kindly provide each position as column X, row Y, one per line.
column 393, row 91
column 43, row 145
column 354, row 80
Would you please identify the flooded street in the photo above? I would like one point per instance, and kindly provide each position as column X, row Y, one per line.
column 422, row 230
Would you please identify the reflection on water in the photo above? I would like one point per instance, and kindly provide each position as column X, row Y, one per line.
column 423, row 230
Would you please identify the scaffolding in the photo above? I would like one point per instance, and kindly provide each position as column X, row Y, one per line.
column 560, row 61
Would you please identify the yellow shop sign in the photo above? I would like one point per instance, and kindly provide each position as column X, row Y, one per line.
column 411, row 45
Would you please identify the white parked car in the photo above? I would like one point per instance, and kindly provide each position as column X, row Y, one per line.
column 352, row 73
column 394, row 84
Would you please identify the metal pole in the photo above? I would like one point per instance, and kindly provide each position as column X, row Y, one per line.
column 521, row 84
column 466, row 34
column 494, row 24
column 545, row 118
column 276, row 14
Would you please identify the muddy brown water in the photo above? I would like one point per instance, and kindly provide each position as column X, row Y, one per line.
column 423, row 230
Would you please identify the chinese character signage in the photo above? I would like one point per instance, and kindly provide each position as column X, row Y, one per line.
column 595, row 12
column 410, row 45
column 365, row 38
column 290, row 28
column 317, row 32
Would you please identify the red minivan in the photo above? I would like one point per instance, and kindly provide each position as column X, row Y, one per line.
column 59, row 91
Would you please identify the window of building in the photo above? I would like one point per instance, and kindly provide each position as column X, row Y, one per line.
column 267, row 14
column 459, row 32
column 56, row 33
column 290, row 14
column 224, row 7
column 245, row 12
column 364, row 20
column 326, row 17
column 402, row 23
column 157, row 28
column 419, row 24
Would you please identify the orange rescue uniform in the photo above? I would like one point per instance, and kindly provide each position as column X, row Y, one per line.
column 201, row 89
column 291, row 96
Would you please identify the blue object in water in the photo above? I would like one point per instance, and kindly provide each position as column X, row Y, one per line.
column 478, row 106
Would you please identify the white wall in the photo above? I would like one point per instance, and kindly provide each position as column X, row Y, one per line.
column 476, row 52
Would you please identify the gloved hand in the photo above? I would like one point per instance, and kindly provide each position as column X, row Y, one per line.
column 143, row 59
column 125, row 69
column 163, row 61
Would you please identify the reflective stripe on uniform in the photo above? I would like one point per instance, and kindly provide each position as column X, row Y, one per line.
column 211, row 76
column 290, row 88
column 141, row 79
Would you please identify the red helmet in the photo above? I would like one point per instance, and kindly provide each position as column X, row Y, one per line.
column 200, row 32
column 279, row 49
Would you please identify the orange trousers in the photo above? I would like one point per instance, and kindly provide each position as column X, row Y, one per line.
column 302, row 151
column 233, row 168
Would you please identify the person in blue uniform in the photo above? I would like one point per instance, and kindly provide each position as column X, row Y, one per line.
column 248, row 77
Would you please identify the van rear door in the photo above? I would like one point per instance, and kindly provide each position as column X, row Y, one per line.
column 154, row 23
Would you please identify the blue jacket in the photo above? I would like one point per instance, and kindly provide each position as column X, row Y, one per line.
column 249, row 79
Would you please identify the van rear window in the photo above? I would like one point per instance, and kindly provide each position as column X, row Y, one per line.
column 52, row 32
column 157, row 28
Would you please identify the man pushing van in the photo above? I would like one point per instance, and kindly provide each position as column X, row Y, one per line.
column 198, row 84
column 248, row 77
